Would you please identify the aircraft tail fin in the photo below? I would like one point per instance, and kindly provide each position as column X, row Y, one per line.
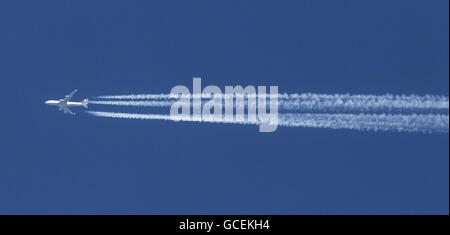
column 85, row 103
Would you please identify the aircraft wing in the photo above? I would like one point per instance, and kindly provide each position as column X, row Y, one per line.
column 69, row 96
column 67, row 110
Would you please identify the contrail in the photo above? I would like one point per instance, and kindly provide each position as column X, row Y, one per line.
column 135, row 97
column 313, row 102
column 427, row 123
column 163, row 117
column 302, row 96
column 149, row 103
column 366, row 103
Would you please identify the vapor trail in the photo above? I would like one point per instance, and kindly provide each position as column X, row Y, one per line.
column 312, row 102
column 440, row 101
column 135, row 97
column 149, row 103
column 427, row 123
column 162, row 117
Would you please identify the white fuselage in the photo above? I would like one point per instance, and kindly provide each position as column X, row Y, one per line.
column 61, row 103
column 65, row 105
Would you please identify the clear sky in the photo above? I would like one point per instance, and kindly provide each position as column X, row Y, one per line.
column 56, row 163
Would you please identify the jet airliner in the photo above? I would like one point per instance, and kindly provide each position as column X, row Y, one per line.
column 65, row 103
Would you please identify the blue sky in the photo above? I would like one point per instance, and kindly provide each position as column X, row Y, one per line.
column 55, row 163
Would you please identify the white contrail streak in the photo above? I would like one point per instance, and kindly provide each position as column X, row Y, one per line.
column 433, row 99
column 427, row 123
column 323, row 103
column 149, row 103
column 365, row 103
column 162, row 117
column 135, row 97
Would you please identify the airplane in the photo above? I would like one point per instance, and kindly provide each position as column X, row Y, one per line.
column 65, row 103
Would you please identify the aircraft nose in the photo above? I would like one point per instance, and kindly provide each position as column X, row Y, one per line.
column 46, row 102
